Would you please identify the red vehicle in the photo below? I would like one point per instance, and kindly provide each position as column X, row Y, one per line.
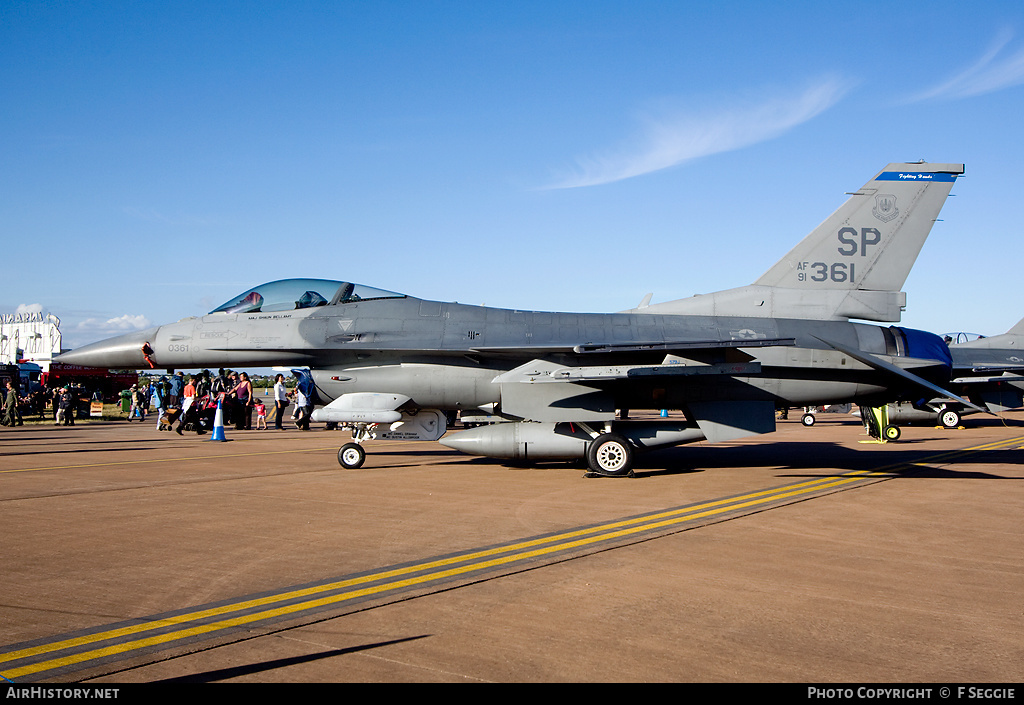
column 108, row 382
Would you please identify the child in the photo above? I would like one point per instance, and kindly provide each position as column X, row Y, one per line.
column 261, row 414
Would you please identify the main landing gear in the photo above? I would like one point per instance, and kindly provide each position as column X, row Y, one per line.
column 949, row 418
column 610, row 455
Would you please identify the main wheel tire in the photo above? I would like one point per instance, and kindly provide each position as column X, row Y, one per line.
column 949, row 418
column 808, row 419
column 610, row 454
column 351, row 456
column 892, row 433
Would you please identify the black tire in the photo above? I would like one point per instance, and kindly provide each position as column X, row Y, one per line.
column 351, row 456
column 808, row 419
column 949, row 418
column 610, row 455
column 892, row 433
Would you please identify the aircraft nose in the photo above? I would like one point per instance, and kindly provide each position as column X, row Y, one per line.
column 124, row 351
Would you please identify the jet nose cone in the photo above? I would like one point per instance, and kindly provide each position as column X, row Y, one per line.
column 124, row 351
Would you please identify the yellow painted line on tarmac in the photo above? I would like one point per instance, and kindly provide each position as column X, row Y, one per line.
column 184, row 626
column 522, row 551
column 441, row 570
column 1002, row 444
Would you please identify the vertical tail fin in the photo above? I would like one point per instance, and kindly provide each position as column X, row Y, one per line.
column 855, row 263
column 872, row 240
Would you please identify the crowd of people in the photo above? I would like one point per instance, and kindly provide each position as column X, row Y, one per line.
column 191, row 404
column 179, row 403
column 62, row 400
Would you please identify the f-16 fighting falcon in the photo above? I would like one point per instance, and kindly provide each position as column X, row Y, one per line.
column 389, row 365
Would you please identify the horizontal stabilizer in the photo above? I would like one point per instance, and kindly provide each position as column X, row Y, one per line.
column 1003, row 399
column 879, row 364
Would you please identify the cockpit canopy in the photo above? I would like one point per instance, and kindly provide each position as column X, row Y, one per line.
column 291, row 294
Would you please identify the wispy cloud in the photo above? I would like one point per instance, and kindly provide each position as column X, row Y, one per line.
column 668, row 140
column 994, row 71
column 113, row 326
column 29, row 308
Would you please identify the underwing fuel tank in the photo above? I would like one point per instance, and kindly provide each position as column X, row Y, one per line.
column 375, row 408
column 562, row 441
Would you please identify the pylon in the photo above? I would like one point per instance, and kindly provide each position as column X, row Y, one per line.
column 218, row 424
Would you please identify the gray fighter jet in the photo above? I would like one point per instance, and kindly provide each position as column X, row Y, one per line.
column 389, row 365
column 987, row 371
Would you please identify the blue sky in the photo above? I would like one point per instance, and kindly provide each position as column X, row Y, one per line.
column 157, row 158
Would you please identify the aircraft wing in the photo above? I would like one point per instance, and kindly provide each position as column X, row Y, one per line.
column 685, row 346
column 543, row 390
column 545, row 371
column 549, row 391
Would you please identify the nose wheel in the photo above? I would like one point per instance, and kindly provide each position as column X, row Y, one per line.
column 351, row 456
